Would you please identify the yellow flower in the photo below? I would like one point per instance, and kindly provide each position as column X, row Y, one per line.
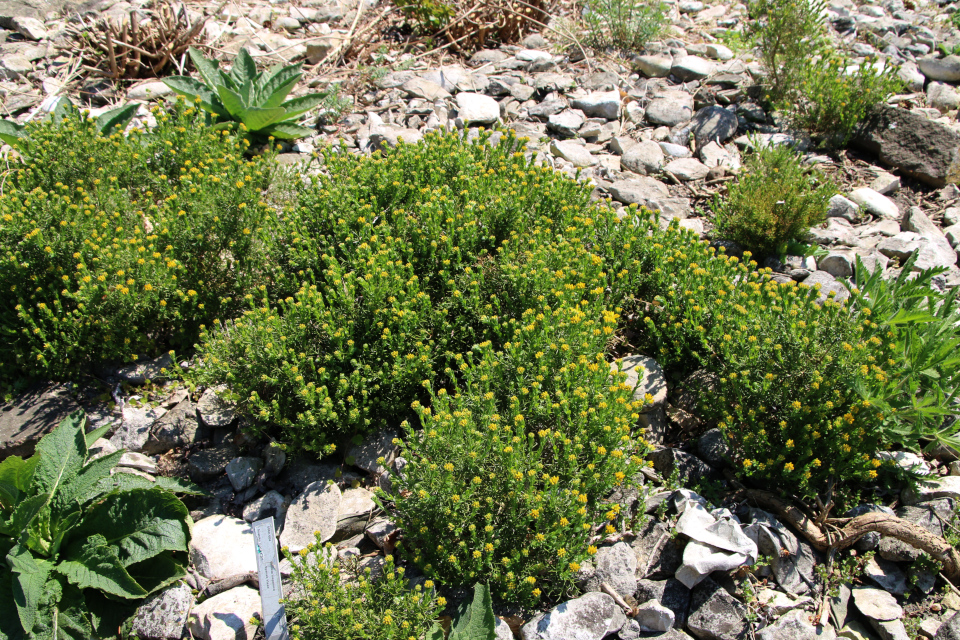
column 788, row 466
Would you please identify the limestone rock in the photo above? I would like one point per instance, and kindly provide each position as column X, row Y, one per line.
column 176, row 428
column 715, row 614
column 692, row 68
column 644, row 158
column 713, row 123
column 227, row 615
column 314, row 511
column 946, row 69
column 163, row 615
column 222, row 546
column 604, row 105
column 656, row 66
column 214, row 410
column 31, row 416
column 796, row 626
column 645, row 377
column 574, row 153
column 134, row 430
column 242, row 471
column 589, row 617
column 367, row 454
column 477, row 109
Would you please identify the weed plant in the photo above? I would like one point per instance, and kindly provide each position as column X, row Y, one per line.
column 787, row 33
column 624, row 24
column 118, row 246
column 775, row 201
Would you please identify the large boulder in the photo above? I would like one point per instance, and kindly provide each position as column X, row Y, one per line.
column 226, row 616
column 31, row 416
column 715, row 614
column 590, row 617
column 312, row 517
column 919, row 147
column 222, row 546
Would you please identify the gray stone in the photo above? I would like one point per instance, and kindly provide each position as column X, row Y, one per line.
column 689, row 468
column 942, row 97
column 670, row 593
column 715, row 614
column 313, row 512
column 209, row 463
column 887, row 575
column 949, row 630
column 658, row 554
column 644, row 158
column 134, row 430
column 713, row 155
column 687, row 169
column 655, row 66
column 573, row 152
column 946, row 69
column 654, row 617
column 356, row 504
column 367, row 454
column 779, row 603
column 796, row 626
column 640, row 191
column 274, row 457
column 930, row 253
column 713, row 449
column 271, row 504
column 242, row 471
column 227, row 615
column 502, row 630
column 214, row 410
column 917, row 146
column 590, row 617
column 839, row 264
column 835, row 231
column 670, row 110
column 646, row 378
column 692, row 68
column 138, row 461
column 952, row 234
column 876, row 604
column 389, row 136
column 604, row 105
column 719, row 52
column 549, row 108
column 617, row 566
column 885, row 183
column 425, row 89
column 674, row 150
column 31, row 416
column 890, row 630
column 29, row 28
column 477, row 109
column 566, row 123
column 713, row 123
column 221, row 547
column 380, row 531
column 875, row 203
column 840, row 207
column 149, row 91
column 163, row 615
column 178, row 427
column 826, row 284
column 932, row 489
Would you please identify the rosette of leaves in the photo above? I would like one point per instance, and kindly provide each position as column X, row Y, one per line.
column 82, row 547
column 257, row 100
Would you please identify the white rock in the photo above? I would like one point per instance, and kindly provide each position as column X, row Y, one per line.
column 605, row 104
column 840, row 207
column 533, row 55
column 778, row 603
column 885, row 183
column 590, row 617
column 719, row 52
column 933, row 489
column 952, row 233
column 876, row 604
column 796, row 626
column 653, row 617
column 29, row 28
column 875, row 203
column 644, row 158
column 574, row 153
column 645, row 376
column 945, row 69
column 670, row 108
column 942, row 97
column 687, row 169
column 675, row 150
column 312, row 517
column 692, row 68
column 222, row 547
column 654, row 66
column 839, row 264
column 227, row 615
column 474, row 109
column 163, row 615
column 149, row 91
column 911, row 76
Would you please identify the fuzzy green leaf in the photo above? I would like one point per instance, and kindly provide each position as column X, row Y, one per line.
column 29, row 576
column 140, row 522
column 287, row 131
column 16, row 474
column 192, row 89
column 209, row 69
column 96, row 434
column 128, row 481
column 62, row 453
column 435, row 633
column 11, row 132
column 95, row 563
column 26, row 511
column 476, row 620
column 10, row 628
column 244, row 69
column 158, row 572
column 299, row 106
column 275, row 86
column 232, row 102
column 83, row 487
column 258, row 119
column 109, row 121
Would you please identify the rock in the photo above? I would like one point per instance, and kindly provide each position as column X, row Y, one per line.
column 875, row 203
column 942, row 97
column 658, row 555
column 713, row 449
column 669, row 593
column 946, row 69
column 885, row 183
column 840, row 207
column 477, row 109
column 890, row 630
column 655, row 66
column 715, row 614
column 567, row 123
column 931, row 254
column 589, row 617
column 672, row 109
column 674, row 150
column 839, row 264
column 689, row 68
column 163, row 615
column 380, row 530
column 354, row 512
column 138, row 461
column 271, row 504
column 222, row 546
column 646, row 378
column 644, row 158
column 876, row 604
column 918, row 222
column 617, row 566
column 149, row 91
column 640, row 191
column 313, row 512
column 425, row 89
column 719, row 52
column 932, row 489
column 242, row 471
column 134, row 430
column 572, row 152
column 176, row 428
column 388, row 136
column 29, row 28
column 713, row 155
column 949, row 630
column 227, row 615
column 836, row 231
column 887, row 575
column 713, row 123
column 274, row 457
column 214, row 410
column 826, row 284
column 31, row 416
column 145, row 370
column 689, row 468
column 917, row 146
column 906, row 460
column 210, row 463
column 654, row 617
column 796, row 626
column 779, row 603
column 604, row 105
column 367, row 454
column 687, row 169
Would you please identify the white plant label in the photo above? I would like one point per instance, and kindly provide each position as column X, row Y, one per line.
column 271, row 589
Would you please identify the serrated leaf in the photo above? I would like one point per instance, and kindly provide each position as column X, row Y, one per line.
column 232, row 102
column 299, row 106
column 243, row 69
column 29, row 576
column 26, row 511
column 140, row 522
column 10, row 627
column 83, row 486
column 476, row 621
column 8, row 498
column 107, row 615
column 287, row 131
column 62, row 452
column 209, row 70
column 128, row 481
column 17, row 473
column 192, row 89
column 258, row 119
column 11, row 132
column 64, row 109
column 274, row 88
column 157, row 572
column 95, row 563
column 109, row 121
column 63, row 613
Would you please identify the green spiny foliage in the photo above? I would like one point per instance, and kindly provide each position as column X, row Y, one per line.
column 82, row 546
column 254, row 100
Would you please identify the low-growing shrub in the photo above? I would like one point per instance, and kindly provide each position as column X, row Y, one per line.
column 114, row 247
column 787, row 33
column 775, row 201
column 345, row 601
column 624, row 24
column 467, row 25
column 82, row 547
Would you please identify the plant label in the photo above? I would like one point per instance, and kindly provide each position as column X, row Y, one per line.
column 271, row 590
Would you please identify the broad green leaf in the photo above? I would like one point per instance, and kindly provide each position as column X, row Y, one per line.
column 16, row 474
column 435, row 632
column 8, row 497
column 64, row 109
column 258, row 119
column 232, row 102
column 299, row 106
column 29, row 576
column 11, row 132
column 10, row 628
column 63, row 613
column 95, row 563
column 62, row 452
column 158, row 572
column 476, row 620
column 128, row 481
column 81, row 488
column 287, row 131
column 243, row 69
column 274, row 87
column 96, row 434
column 209, row 69
column 192, row 89
column 26, row 511
column 140, row 522
column 109, row 121
column 107, row 614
